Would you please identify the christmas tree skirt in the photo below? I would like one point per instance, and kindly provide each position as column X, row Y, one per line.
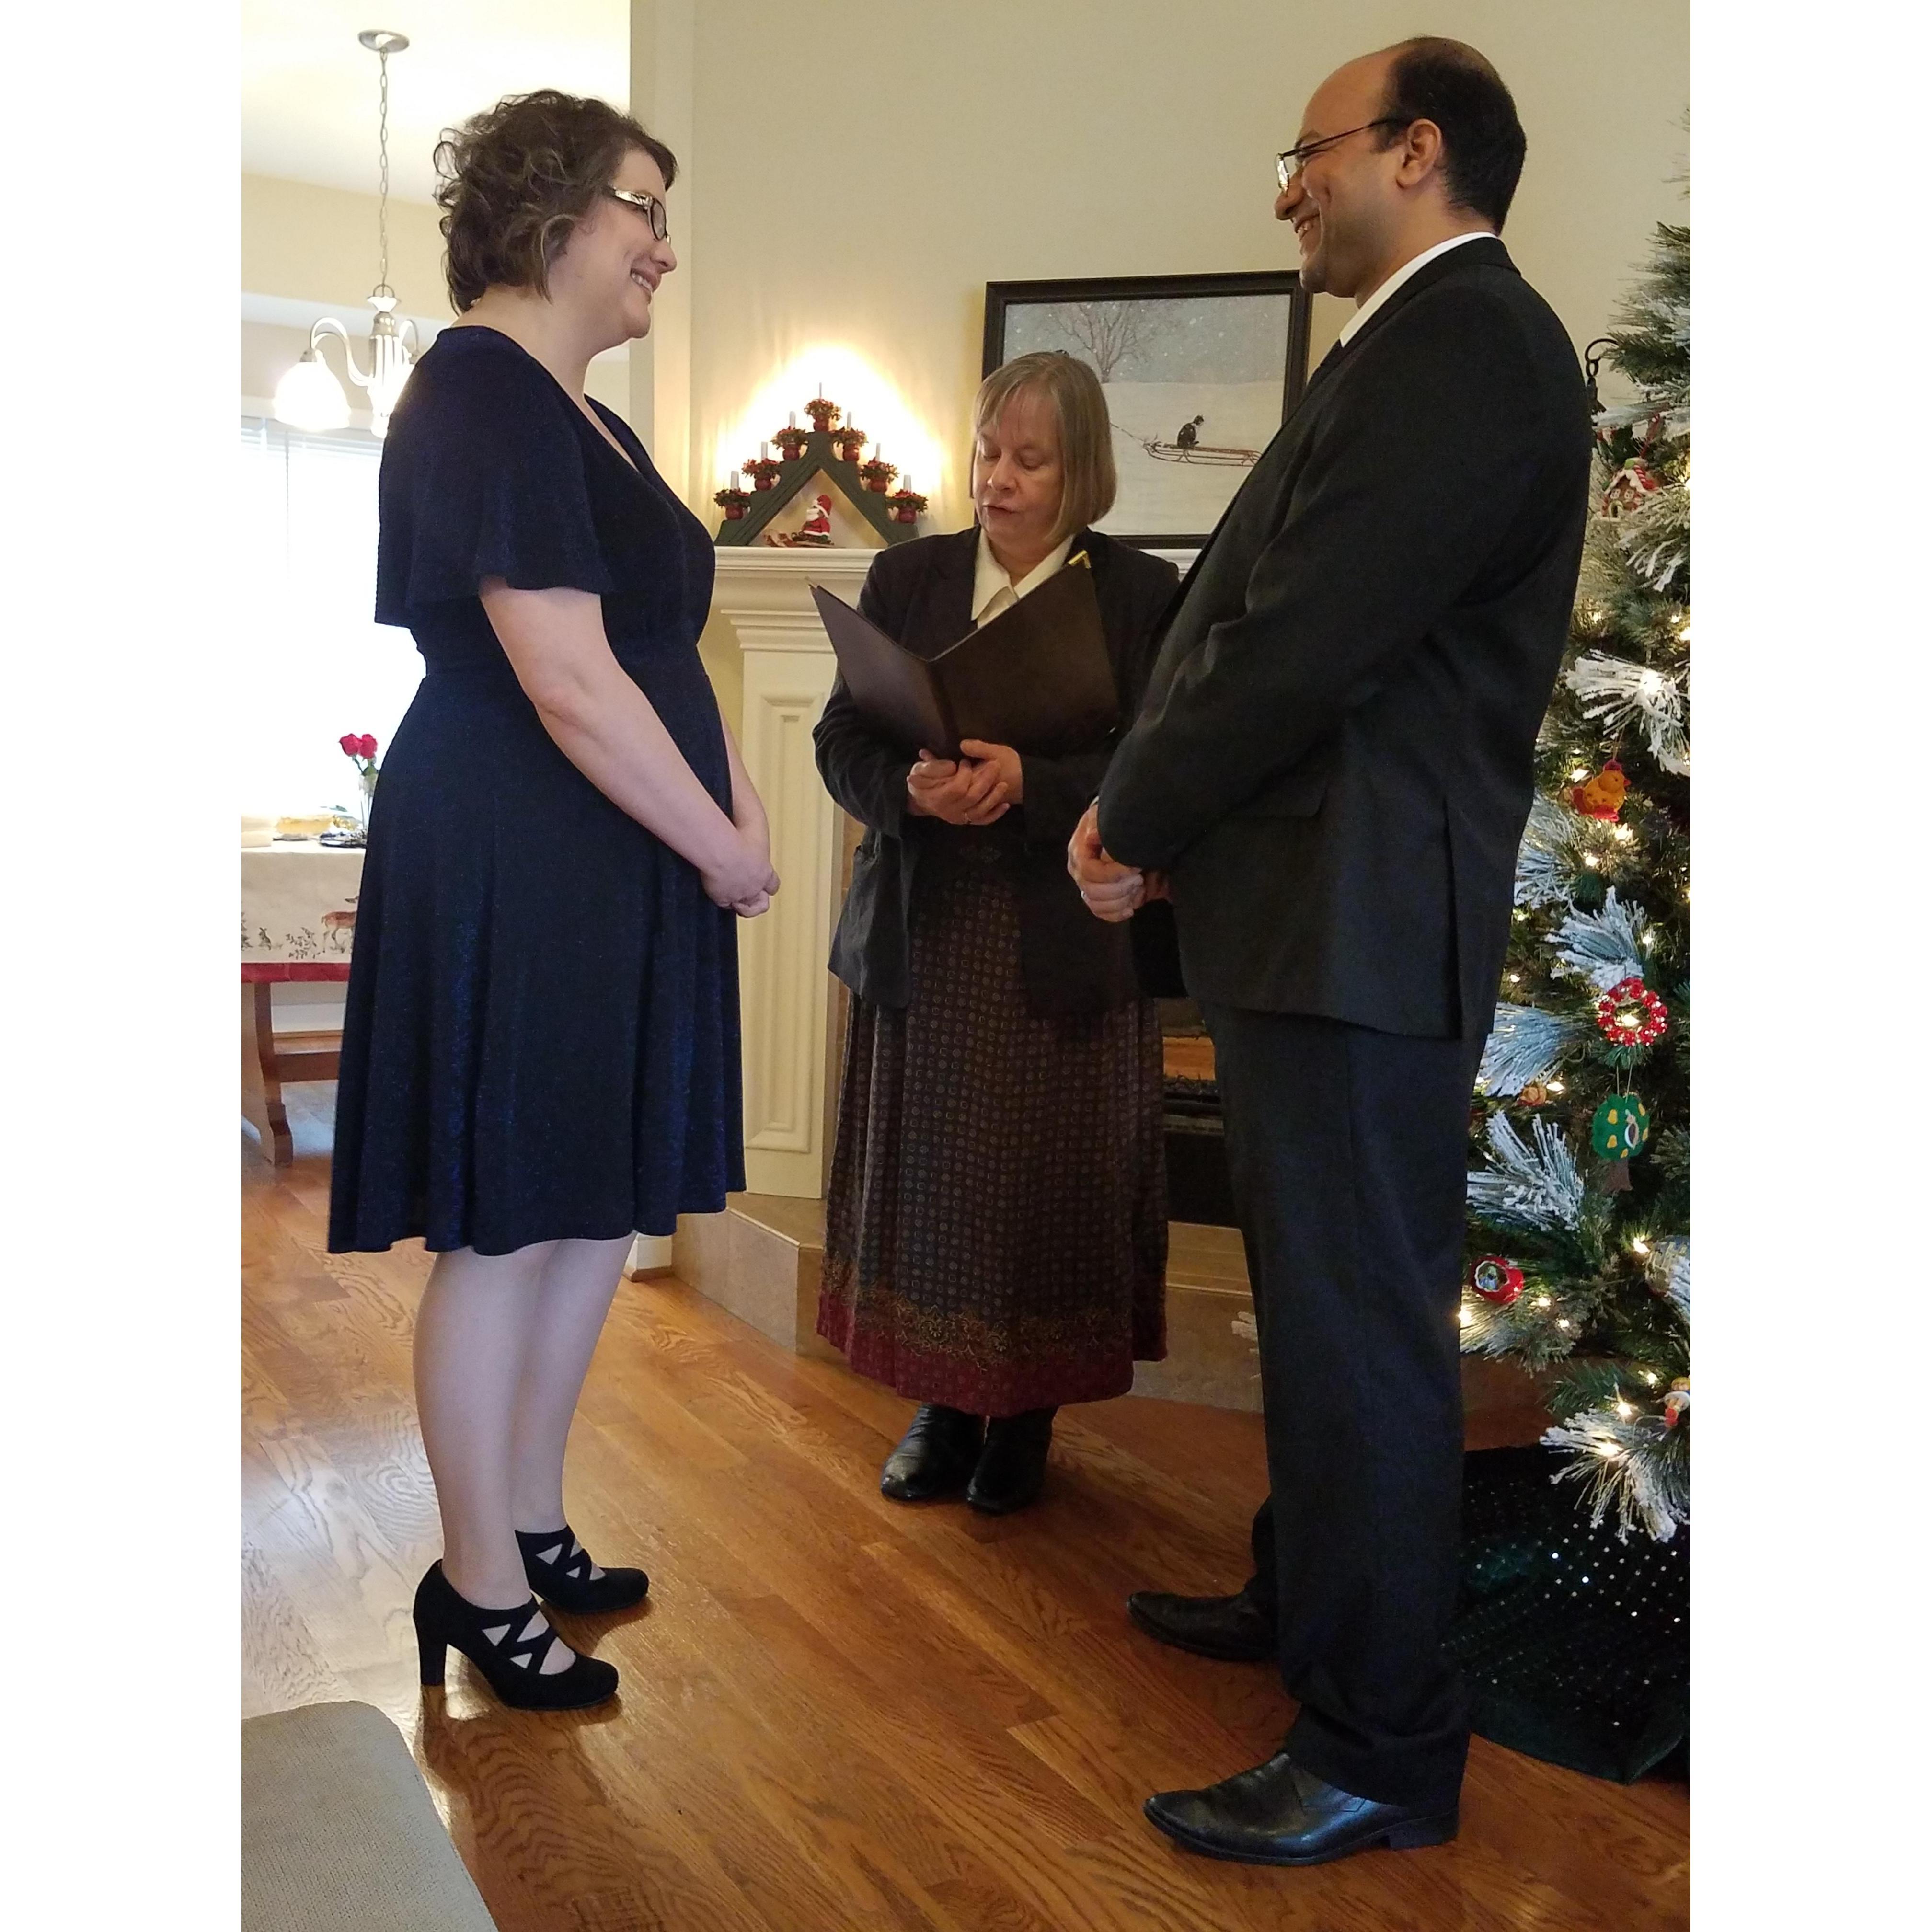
column 1576, row 1647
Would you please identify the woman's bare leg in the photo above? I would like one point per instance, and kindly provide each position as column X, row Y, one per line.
column 474, row 1336
column 579, row 1282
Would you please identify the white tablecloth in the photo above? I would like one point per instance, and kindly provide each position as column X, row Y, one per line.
column 298, row 908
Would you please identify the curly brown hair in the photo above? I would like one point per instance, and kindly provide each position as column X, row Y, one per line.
column 517, row 180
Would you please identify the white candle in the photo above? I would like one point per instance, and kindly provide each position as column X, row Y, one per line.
column 905, row 482
column 764, row 451
column 791, row 419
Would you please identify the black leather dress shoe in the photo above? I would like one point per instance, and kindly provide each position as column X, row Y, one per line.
column 935, row 1455
column 1233, row 1629
column 1012, row 1466
column 1280, row 1814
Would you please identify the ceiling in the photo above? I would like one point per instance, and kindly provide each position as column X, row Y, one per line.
column 309, row 91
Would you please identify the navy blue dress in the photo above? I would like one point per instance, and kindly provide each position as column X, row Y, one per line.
column 541, row 1034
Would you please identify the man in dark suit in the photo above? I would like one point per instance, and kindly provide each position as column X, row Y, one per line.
column 1329, row 777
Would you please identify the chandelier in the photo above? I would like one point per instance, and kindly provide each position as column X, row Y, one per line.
column 309, row 397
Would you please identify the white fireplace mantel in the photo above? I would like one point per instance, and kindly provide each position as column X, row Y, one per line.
column 786, row 995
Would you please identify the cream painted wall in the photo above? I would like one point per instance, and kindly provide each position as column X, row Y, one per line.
column 311, row 244
column 304, row 243
column 1006, row 139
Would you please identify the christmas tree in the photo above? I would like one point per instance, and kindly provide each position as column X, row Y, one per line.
column 1579, row 1194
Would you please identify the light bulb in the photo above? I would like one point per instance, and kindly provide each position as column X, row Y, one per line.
column 1639, row 1246
column 310, row 397
column 1625, row 1412
column 1540, row 1301
column 1579, row 774
column 1590, row 860
column 1623, row 834
column 1554, row 1086
column 1515, row 978
column 1464, row 1316
column 1563, row 1322
column 1650, row 683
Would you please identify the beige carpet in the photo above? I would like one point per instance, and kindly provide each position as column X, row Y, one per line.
column 338, row 1833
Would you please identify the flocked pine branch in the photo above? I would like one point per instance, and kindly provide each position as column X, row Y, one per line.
column 1653, row 338
column 1528, row 1043
column 1605, row 946
column 1536, row 1187
column 1669, row 1269
column 1549, row 857
column 1633, row 1464
column 1622, row 693
column 1656, row 536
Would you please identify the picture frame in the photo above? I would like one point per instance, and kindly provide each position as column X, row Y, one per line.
column 1224, row 356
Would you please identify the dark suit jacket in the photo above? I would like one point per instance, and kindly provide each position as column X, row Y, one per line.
column 922, row 593
column 1334, row 761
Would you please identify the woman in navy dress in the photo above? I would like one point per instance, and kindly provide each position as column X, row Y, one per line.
column 540, row 1053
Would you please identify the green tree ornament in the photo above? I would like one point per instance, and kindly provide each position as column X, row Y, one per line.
column 1620, row 1127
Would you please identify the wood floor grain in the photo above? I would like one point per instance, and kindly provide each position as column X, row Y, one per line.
column 838, row 1714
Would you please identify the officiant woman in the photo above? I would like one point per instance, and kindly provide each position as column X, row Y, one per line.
column 996, row 1233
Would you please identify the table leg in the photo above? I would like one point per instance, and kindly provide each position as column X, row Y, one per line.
column 261, row 1079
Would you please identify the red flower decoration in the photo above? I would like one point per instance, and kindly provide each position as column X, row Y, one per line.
column 368, row 746
column 1630, row 1014
column 351, row 745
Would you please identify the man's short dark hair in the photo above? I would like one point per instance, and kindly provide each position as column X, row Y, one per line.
column 1483, row 143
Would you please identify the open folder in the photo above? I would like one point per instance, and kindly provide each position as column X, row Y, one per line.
column 1037, row 677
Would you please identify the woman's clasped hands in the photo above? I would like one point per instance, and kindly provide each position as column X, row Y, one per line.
column 975, row 788
column 741, row 878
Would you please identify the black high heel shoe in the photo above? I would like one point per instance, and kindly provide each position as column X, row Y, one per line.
column 493, row 1641
column 559, row 1569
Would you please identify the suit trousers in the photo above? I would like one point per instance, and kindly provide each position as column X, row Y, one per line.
column 1348, row 1150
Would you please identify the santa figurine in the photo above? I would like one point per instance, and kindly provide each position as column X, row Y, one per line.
column 817, row 528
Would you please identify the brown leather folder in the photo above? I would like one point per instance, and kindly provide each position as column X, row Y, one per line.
column 1037, row 677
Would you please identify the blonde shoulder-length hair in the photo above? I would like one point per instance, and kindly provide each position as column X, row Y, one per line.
column 1089, row 481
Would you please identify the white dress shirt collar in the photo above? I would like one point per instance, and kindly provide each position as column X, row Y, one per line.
column 1355, row 323
column 994, row 591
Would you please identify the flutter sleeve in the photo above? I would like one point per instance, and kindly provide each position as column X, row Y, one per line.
column 483, row 476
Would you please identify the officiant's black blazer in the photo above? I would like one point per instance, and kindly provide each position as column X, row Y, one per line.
column 922, row 594
column 1334, row 759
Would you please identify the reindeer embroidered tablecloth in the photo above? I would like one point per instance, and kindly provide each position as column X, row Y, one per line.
column 299, row 910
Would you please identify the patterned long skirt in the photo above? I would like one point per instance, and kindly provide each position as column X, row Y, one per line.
column 996, row 1232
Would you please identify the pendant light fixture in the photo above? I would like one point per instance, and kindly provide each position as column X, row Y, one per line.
column 309, row 397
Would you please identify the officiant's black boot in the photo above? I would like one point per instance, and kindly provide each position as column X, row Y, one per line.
column 1012, row 1466
column 1236, row 1629
column 935, row 1455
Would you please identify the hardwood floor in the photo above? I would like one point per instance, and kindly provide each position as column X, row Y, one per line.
column 838, row 1714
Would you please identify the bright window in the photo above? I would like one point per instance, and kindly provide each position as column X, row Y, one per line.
column 319, row 664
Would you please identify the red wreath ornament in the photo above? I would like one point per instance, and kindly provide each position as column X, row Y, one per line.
column 1630, row 1014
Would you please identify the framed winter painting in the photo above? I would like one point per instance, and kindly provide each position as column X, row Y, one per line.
column 1199, row 372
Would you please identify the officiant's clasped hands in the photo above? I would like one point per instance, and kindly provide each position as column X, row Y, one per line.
column 974, row 789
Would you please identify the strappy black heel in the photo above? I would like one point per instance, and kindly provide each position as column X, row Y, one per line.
column 493, row 1641
column 559, row 1569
